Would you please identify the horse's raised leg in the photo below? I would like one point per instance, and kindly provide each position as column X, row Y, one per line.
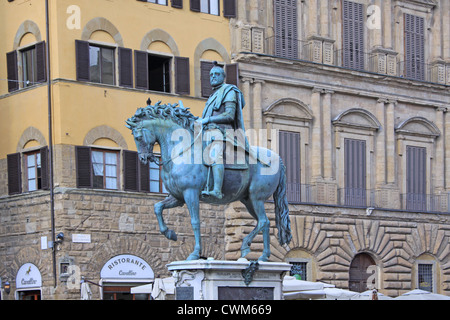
column 191, row 198
column 256, row 209
column 168, row 203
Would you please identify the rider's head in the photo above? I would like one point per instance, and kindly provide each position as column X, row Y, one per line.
column 217, row 75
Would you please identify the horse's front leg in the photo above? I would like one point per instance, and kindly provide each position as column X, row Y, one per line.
column 191, row 198
column 169, row 202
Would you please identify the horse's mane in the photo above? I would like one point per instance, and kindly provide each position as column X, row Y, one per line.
column 178, row 114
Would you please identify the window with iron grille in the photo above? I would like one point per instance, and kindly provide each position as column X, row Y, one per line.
column 425, row 277
column 299, row 270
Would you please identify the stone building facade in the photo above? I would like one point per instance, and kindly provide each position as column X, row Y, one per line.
column 353, row 94
column 74, row 202
column 358, row 92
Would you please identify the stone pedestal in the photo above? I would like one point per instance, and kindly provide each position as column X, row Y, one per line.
column 228, row 280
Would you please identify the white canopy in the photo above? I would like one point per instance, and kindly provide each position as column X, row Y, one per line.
column 339, row 294
column 367, row 295
column 294, row 289
column 418, row 294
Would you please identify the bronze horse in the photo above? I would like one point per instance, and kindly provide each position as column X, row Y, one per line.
column 185, row 177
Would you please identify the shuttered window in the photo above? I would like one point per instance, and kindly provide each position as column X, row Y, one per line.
column 162, row 2
column 97, row 168
column 98, row 64
column 205, row 6
column 206, row 67
column 286, row 33
column 136, row 174
column 33, row 60
column 355, row 172
column 229, row 8
column 37, row 170
column 416, row 182
column 12, row 70
column 231, row 70
column 177, row 4
column 14, row 174
column 414, row 47
column 126, row 67
column 353, row 35
column 182, row 76
column 289, row 147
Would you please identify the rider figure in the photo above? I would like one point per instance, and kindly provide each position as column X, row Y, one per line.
column 223, row 111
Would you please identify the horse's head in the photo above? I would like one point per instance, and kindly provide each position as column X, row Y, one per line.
column 144, row 139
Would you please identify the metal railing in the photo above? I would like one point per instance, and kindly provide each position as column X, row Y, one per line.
column 329, row 194
column 294, row 49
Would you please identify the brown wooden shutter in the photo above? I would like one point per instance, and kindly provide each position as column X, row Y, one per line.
column 45, row 165
column 41, row 63
column 232, row 71
column 353, row 35
column 289, row 148
column 195, row 5
column 414, row 47
column 131, row 170
column 286, row 33
column 355, row 172
column 82, row 57
column 12, row 70
column 84, row 167
column 177, row 4
column 126, row 67
column 14, row 173
column 416, row 173
column 229, row 8
column 141, row 69
column 182, row 76
column 144, row 177
column 205, row 69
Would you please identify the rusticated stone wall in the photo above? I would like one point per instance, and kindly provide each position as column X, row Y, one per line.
column 332, row 236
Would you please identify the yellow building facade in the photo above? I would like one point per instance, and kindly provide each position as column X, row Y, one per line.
column 105, row 59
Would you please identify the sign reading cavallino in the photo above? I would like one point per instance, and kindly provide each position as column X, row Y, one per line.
column 126, row 266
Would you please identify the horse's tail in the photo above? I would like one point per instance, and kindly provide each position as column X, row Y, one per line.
column 282, row 220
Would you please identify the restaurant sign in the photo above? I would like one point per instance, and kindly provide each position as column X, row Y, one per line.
column 127, row 267
column 28, row 277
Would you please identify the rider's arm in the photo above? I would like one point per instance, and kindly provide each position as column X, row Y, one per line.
column 230, row 110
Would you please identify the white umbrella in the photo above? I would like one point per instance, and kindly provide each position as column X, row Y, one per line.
column 339, row 294
column 294, row 289
column 159, row 291
column 418, row 294
column 367, row 295
column 86, row 293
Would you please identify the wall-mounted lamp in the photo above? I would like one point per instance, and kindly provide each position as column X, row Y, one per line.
column 7, row 287
column 59, row 238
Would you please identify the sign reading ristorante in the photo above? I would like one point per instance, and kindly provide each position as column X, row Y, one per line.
column 126, row 267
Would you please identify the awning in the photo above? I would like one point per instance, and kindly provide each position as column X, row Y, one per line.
column 146, row 288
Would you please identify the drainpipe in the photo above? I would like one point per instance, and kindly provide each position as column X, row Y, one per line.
column 50, row 143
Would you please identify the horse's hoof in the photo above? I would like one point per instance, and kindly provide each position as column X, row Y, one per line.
column 193, row 256
column 245, row 252
column 171, row 235
column 263, row 258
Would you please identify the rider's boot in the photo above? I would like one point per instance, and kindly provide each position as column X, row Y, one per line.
column 218, row 171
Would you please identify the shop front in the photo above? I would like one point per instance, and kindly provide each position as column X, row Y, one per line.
column 28, row 283
column 122, row 273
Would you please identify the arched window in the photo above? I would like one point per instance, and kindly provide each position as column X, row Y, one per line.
column 359, row 272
